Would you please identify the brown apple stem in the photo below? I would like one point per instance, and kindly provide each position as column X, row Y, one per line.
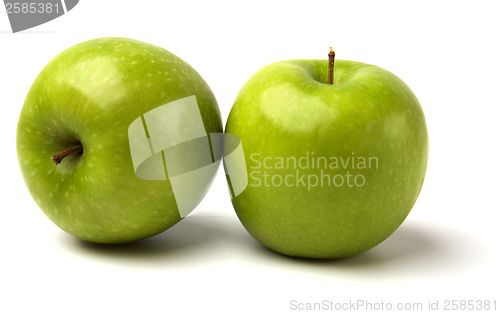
column 331, row 61
column 59, row 157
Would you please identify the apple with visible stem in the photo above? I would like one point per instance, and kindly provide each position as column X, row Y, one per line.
column 72, row 137
column 335, row 155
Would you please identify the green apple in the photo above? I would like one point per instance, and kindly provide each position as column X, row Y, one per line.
column 331, row 169
column 79, row 110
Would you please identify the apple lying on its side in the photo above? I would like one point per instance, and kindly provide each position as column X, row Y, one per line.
column 79, row 110
column 334, row 162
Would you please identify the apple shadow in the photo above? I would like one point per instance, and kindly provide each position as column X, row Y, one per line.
column 194, row 237
column 412, row 248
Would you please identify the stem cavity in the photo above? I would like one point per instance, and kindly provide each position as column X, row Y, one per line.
column 72, row 150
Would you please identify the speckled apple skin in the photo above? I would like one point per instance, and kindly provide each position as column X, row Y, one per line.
column 91, row 93
column 286, row 109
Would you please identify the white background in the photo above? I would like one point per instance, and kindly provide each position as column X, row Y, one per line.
column 447, row 51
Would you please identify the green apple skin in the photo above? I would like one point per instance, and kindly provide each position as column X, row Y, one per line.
column 90, row 93
column 286, row 109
